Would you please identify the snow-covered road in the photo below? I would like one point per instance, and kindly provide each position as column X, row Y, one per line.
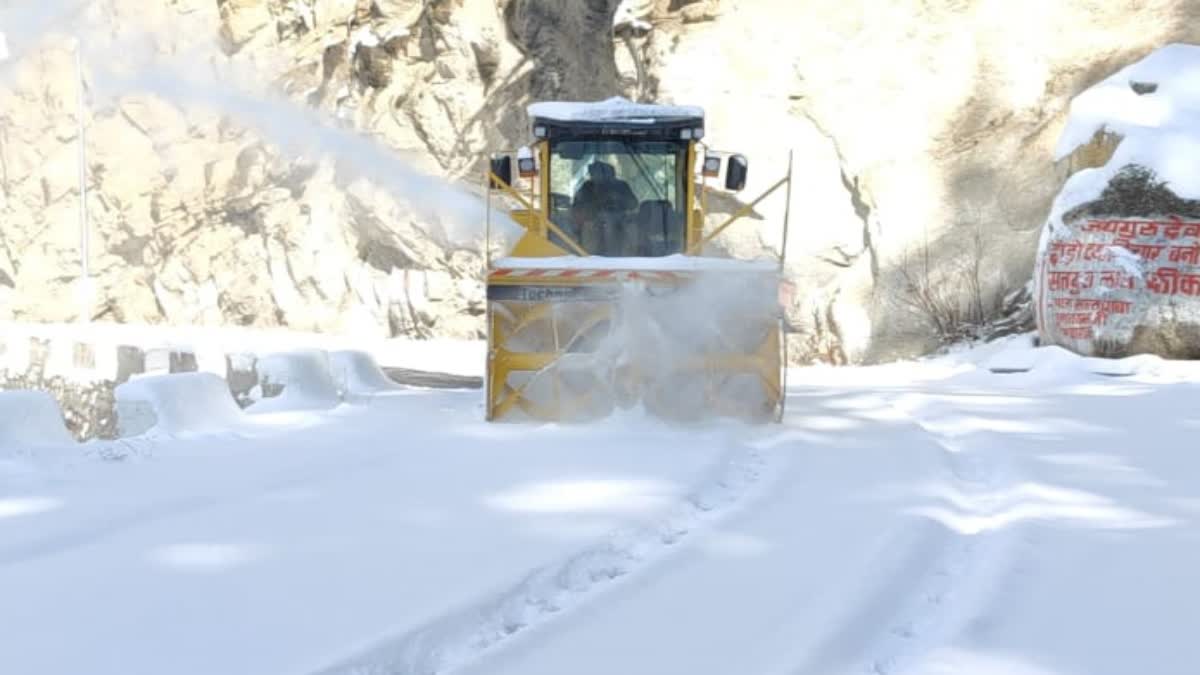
column 916, row 518
column 942, row 529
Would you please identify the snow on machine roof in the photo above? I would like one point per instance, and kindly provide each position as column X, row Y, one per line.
column 614, row 111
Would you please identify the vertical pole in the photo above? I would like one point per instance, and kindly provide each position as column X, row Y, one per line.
column 85, row 300
column 783, row 337
column 546, row 205
column 488, row 354
column 787, row 213
column 695, row 230
column 487, row 219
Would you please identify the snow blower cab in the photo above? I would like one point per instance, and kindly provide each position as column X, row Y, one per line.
column 612, row 295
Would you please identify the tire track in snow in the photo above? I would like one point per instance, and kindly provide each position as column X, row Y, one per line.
column 964, row 575
column 458, row 639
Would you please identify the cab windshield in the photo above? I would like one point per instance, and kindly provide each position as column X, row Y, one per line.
column 620, row 198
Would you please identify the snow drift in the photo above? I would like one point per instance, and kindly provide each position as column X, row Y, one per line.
column 305, row 378
column 176, row 405
column 30, row 419
column 355, row 373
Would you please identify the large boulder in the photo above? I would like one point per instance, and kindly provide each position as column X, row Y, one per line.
column 1118, row 270
column 1121, row 275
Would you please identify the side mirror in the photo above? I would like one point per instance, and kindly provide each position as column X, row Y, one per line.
column 501, row 166
column 735, row 174
column 712, row 166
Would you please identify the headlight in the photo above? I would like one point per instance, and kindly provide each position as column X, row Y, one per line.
column 526, row 164
column 712, row 166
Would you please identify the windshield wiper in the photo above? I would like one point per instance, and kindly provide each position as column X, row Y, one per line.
column 637, row 159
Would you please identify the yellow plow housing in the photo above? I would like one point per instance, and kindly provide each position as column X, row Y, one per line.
column 589, row 316
column 573, row 344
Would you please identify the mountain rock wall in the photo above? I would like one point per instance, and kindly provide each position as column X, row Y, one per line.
column 921, row 133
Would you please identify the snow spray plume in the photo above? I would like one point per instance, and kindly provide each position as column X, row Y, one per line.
column 715, row 315
column 458, row 214
column 25, row 25
column 655, row 349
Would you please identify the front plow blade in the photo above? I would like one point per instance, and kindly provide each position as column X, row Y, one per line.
column 577, row 345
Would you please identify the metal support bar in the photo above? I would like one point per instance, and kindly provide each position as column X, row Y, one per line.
column 783, row 337
column 741, row 213
column 512, row 192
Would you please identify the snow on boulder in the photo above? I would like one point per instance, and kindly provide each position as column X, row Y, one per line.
column 178, row 404
column 1118, row 266
column 296, row 380
column 356, row 373
column 30, row 419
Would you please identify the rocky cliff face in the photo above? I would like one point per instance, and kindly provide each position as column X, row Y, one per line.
column 922, row 135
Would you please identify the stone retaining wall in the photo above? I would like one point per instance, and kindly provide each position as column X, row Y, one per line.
column 82, row 374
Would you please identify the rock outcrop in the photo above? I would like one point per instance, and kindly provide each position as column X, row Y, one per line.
column 923, row 140
column 1118, row 269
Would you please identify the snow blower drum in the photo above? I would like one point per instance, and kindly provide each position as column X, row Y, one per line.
column 606, row 301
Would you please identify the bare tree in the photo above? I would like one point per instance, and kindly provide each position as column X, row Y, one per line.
column 948, row 288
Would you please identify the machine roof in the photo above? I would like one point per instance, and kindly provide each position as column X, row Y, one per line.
column 615, row 110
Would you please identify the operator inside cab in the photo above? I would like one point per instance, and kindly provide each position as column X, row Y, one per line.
column 602, row 212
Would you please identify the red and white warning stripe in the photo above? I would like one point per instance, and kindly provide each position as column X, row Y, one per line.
column 585, row 275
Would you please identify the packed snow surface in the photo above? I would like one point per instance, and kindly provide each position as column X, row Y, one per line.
column 923, row 517
column 615, row 109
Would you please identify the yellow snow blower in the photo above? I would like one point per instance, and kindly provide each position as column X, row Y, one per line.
column 611, row 297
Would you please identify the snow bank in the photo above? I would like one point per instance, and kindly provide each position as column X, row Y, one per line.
column 31, row 418
column 1011, row 362
column 356, row 373
column 1016, row 362
column 176, row 405
column 305, row 378
column 1154, row 105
